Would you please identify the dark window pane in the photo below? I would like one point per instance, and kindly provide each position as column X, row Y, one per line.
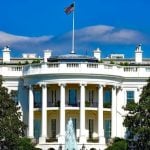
column 53, row 128
column 107, row 129
column 37, row 128
column 37, row 98
column 130, row 96
column 107, row 99
column 73, row 97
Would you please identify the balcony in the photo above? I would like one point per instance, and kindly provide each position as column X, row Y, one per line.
column 86, row 68
column 73, row 105
column 49, row 140
column 54, row 104
column 37, row 105
column 91, row 104
column 11, row 70
column 92, row 140
column 107, row 104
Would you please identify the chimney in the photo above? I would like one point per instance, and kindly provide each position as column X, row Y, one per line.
column 6, row 54
column 47, row 54
column 97, row 54
column 138, row 54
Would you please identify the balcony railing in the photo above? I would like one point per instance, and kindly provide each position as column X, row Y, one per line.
column 54, row 104
column 72, row 105
column 91, row 104
column 88, row 68
column 92, row 140
column 37, row 105
column 107, row 104
column 11, row 70
column 51, row 140
column 87, row 104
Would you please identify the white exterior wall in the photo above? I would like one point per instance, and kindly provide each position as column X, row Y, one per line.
column 129, row 78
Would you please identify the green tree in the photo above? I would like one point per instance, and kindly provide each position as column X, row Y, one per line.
column 26, row 144
column 137, row 121
column 11, row 127
column 118, row 144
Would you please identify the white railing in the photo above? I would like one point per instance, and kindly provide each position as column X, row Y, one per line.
column 72, row 65
column 11, row 70
column 91, row 65
column 87, row 68
column 75, row 68
column 130, row 69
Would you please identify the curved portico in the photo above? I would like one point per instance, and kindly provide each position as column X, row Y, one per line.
column 82, row 109
column 89, row 92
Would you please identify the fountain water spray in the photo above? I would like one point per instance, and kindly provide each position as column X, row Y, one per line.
column 70, row 140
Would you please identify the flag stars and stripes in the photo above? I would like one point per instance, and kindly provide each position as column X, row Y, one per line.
column 69, row 9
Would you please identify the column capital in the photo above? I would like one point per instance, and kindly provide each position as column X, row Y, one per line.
column 83, row 84
column 62, row 84
column 43, row 85
column 30, row 87
column 101, row 85
column 139, row 88
column 114, row 87
column 120, row 87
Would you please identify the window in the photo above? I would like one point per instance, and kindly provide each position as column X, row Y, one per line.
column 37, row 98
column 53, row 92
column 53, row 128
column 107, row 129
column 91, row 128
column 107, row 99
column 74, row 121
column 130, row 96
column 37, row 128
column 14, row 96
column 91, row 96
column 73, row 97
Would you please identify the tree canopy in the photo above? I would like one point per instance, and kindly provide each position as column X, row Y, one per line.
column 137, row 121
column 117, row 144
column 11, row 127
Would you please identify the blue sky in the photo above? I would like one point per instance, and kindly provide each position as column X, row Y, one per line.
column 115, row 26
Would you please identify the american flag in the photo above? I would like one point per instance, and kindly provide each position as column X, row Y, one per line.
column 69, row 9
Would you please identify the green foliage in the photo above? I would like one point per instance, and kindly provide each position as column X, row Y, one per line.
column 101, row 61
column 112, row 62
column 107, row 104
column 11, row 127
column 19, row 63
column 26, row 62
column 25, row 144
column 87, row 103
column 35, row 61
column 124, row 63
column 121, row 63
column 137, row 120
column 117, row 144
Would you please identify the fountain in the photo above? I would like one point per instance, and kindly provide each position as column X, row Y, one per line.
column 70, row 140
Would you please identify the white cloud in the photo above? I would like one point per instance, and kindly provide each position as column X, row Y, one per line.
column 6, row 38
column 109, row 34
column 86, row 37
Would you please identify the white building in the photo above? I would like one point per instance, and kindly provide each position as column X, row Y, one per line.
column 90, row 90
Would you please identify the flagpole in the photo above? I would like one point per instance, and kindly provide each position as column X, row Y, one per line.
column 73, row 30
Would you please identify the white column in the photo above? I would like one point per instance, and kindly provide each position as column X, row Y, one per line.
column 120, row 112
column 114, row 113
column 100, row 115
column 42, row 139
column 82, row 138
column 61, row 139
column 31, row 113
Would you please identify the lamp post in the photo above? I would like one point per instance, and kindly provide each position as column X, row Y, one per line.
column 60, row 147
column 83, row 147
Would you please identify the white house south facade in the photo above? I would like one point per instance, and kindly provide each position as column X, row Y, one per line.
column 90, row 90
